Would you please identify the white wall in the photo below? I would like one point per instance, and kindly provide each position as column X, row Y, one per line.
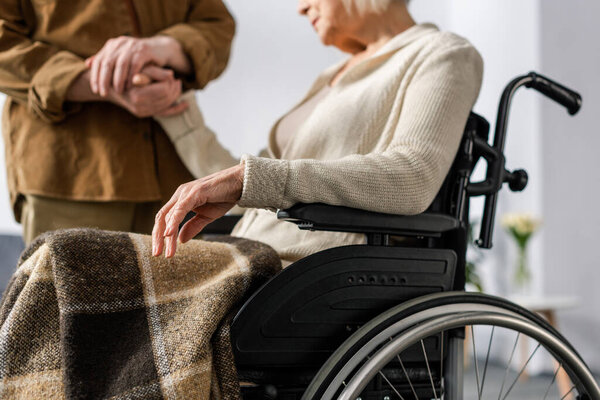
column 570, row 146
column 276, row 56
column 507, row 53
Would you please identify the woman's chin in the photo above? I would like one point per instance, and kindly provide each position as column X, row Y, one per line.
column 325, row 39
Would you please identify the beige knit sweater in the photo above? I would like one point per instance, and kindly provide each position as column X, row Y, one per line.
column 382, row 140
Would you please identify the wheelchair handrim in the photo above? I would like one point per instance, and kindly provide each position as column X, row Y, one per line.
column 411, row 336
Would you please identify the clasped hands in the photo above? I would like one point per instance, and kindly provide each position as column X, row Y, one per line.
column 137, row 74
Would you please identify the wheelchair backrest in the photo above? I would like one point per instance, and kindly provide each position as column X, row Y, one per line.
column 452, row 199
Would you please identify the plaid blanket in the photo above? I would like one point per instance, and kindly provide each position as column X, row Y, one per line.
column 91, row 314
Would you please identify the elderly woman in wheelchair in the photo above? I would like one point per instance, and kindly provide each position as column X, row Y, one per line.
column 377, row 132
column 355, row 164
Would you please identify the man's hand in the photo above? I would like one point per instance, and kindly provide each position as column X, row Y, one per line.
column 154, row 93
column 209, row 198
column 123, row 57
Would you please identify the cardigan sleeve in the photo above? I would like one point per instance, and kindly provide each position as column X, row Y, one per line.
column 34, row 73
column 195, row 143
column 403, row 179
column 206, row 38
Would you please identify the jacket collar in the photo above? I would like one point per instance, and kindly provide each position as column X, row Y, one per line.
column 396, row 43
column 404, row 38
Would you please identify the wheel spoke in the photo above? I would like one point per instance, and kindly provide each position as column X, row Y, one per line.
column 512, row 354
column 475, row 361
column 429, row 370
column 392, row 386
column 376, row 363
column 442, row 358
column 408, row 378
column 568, row 393
column 487, row 357
column 521, row 371
column 552, row 381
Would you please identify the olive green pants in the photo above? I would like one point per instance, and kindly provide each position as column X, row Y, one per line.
column 41, row 214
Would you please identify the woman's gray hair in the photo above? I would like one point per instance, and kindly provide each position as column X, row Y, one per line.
column 368, row 5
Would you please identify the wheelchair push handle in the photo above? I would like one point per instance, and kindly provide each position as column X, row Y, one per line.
column 496, row 172
column 570, row 99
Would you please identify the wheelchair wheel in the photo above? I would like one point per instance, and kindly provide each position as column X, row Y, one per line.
column 416, row 351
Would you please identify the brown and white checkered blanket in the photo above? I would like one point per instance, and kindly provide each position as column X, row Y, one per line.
column 91, row 314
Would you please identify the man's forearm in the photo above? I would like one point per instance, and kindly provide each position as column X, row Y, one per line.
column 80, row 90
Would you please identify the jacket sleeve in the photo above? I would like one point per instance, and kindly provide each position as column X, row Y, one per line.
column 206, row 39
column 34, row 73
column 403, row 179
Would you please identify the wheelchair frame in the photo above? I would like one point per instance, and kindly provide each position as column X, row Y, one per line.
column 295, row 330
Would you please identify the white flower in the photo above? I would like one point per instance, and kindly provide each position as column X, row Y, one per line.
column 521, row 223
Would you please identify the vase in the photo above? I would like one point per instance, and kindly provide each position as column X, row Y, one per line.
column 522, row 275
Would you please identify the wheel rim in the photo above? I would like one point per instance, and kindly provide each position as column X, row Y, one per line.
column 321, row 384
column 583, row 381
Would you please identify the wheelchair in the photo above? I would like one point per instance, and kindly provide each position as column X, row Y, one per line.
column 388, row 319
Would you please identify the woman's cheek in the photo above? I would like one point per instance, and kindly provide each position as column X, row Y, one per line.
column 327, row 34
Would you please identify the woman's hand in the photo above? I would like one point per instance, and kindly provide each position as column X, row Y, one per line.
column 209, row 198
column 155, row 96
column 123, row 57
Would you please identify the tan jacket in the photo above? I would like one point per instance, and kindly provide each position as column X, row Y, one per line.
column 94, row 151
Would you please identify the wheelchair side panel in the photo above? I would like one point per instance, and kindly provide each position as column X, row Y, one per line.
column 303, row 314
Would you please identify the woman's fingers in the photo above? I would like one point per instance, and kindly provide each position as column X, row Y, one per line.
column 158, row 236
column 209, row 197
column 140, row 80
column 193, row 227
column 157, row 73
column 177, row 214
column 158, row 231
column 204, row 216
column 152, row 99
column 170, row 246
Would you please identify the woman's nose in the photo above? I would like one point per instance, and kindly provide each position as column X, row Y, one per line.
column 303, row 7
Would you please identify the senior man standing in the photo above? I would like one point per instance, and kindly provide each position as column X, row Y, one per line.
column 81, row 149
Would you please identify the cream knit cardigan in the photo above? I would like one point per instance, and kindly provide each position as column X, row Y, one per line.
column 382, row 140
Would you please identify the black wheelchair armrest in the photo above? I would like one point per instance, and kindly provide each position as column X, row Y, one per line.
column 222, row 226
column 323, row 217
